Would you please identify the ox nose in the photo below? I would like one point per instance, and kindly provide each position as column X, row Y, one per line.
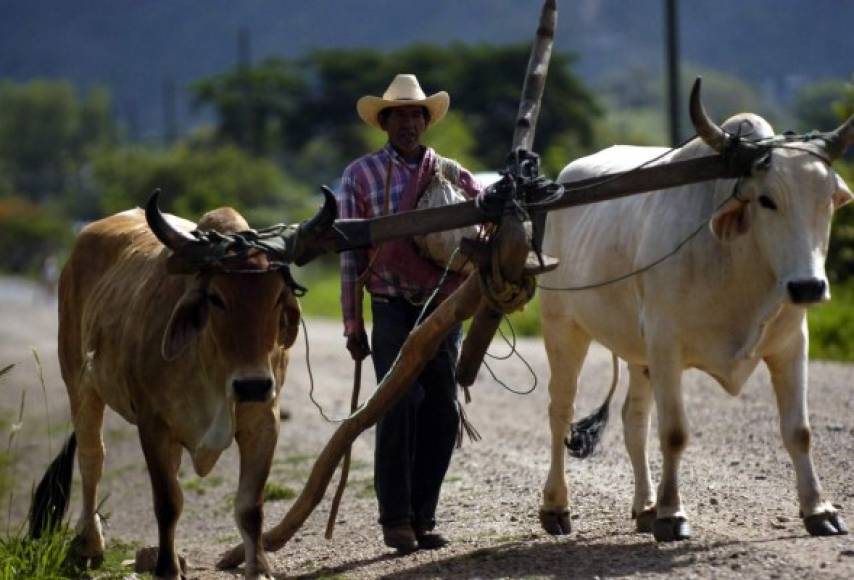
column 807, row 291
column 252, row 390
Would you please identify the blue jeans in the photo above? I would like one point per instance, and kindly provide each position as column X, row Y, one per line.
column 416, row 437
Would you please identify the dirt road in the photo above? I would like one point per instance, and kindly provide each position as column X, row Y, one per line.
column 737, row 481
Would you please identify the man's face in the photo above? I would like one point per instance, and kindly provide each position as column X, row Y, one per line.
column 404, row 126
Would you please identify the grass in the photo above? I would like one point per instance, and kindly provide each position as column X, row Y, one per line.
column 363, row 488
column 832, row 326
column 11, row 427
column 295, row 459
column 323, row 299
column 276, row 492
column 48, row 557
column 199, row 485
column 45, row 558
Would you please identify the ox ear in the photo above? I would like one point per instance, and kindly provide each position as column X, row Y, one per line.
column 187, row 321
column 731, row 221
column 289, row 323
column 842, row 195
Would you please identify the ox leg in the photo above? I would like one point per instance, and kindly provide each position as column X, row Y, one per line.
column 88, row 419
column 789, row 377
column 566, row 346
column 636, row 417
column 163, row 458
column 257, row 432
column 665, row 367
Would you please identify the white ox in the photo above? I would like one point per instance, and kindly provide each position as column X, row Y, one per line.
column 734, row 296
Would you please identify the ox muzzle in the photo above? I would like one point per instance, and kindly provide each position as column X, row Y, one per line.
column 253, row 390
column 808, row 290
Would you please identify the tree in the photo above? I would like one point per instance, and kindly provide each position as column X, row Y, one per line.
column 840, row 254
column 317, row 96
column 45, row 133
column 820, row 106
column 197, row 180
column 255, row 105
column 29, row 233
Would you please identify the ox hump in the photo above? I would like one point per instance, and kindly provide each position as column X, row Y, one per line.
column 223, row 220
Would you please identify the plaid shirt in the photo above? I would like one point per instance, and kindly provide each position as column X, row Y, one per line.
column 362, row 195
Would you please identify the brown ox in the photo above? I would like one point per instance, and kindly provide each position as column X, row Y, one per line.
column 193, row 360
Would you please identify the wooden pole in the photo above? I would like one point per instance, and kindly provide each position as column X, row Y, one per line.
column 513, row 247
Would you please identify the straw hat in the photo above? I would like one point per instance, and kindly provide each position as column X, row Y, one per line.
column 404, row 91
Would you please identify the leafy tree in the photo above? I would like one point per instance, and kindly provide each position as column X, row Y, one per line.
column 255, row 105
column 821, row 105
column 486, row 89
column 840, row 255
column 637, row 104
column 29, row 233
column 320, row 124
column 45, row 133
column 197, row 180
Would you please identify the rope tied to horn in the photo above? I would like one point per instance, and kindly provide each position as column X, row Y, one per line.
column 506, row 295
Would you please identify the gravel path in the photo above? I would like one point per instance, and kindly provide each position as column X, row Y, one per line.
column 737, row 481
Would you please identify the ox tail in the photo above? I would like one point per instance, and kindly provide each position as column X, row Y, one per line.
column 585, row 434
column 50, row 500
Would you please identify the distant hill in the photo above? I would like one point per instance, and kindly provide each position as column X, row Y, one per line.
column 135, row 46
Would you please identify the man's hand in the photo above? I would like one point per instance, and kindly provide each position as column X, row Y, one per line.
column 357, row 344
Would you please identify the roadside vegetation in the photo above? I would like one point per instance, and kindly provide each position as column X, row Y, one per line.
column 49, row 557
column 282, row 127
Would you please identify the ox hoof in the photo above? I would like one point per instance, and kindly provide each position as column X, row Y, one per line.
column 85, row 557
column 146, row 562
column 825, row 524
column 556, row 524
column 671, row 529
column 644, row 520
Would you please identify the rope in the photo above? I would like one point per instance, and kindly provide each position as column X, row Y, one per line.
column 311, row 379
column 655, row 262
column 513, row 351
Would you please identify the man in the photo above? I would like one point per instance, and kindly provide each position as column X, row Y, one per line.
column 415, row 439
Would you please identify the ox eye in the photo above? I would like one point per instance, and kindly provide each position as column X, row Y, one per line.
column 767, row 202
column 216, row 301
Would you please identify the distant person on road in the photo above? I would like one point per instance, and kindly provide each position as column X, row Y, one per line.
column 49, row 276
column 415, row 439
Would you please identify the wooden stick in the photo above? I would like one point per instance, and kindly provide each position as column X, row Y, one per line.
column 514, row 247
column 420, row 347
column 345, row 465
column 535, row 78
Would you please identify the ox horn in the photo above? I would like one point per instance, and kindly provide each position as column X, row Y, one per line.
column 711, row 134
column 313, row 238
column 840, row 139
column 168, row 236
column 324, row 218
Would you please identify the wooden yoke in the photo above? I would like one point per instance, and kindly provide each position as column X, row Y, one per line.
column 512, row 245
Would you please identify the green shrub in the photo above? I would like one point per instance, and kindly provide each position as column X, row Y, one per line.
column 832, row 326
column 197, row 179
column 276, row 492
column 42, row 559
column 840, row 255
column 29, row 233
